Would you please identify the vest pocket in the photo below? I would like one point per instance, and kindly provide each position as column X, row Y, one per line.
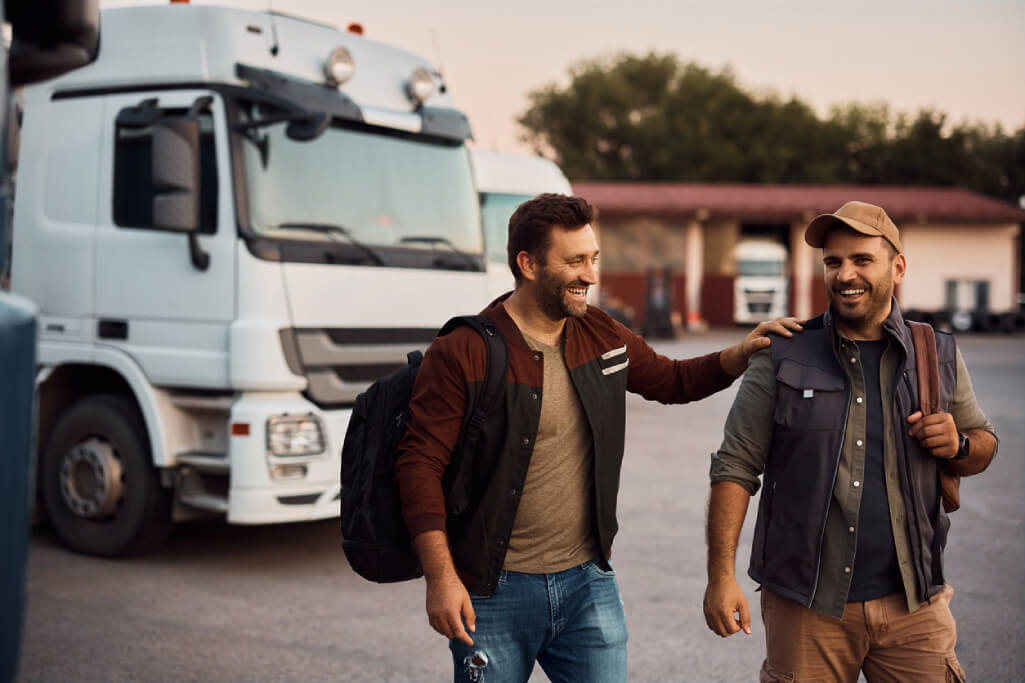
column 808, row 398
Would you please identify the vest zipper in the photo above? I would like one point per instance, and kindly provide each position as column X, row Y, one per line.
column 832, row 487
column 910, row 498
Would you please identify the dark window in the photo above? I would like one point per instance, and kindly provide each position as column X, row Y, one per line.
column 982, row 295
column 133, row 175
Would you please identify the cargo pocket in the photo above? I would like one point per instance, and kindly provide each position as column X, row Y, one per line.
column 771, row 674
column 955, row 674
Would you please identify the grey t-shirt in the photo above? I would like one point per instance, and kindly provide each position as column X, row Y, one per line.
column 553, row 530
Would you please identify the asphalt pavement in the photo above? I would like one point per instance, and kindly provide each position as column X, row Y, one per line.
column 279, row 603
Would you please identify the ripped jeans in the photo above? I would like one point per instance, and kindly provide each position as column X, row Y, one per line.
column 570, row 622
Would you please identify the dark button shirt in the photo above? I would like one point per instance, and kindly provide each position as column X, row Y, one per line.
column 876, row 569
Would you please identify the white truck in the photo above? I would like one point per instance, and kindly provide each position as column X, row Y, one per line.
column 231, row 222
column 504, row 181
column 761, row 288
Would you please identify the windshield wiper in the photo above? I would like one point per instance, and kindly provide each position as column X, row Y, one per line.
column 338, row 230
column 435, row 240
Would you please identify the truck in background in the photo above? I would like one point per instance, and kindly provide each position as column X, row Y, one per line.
column 761, row 288
column 504, row 181
column 231, row 223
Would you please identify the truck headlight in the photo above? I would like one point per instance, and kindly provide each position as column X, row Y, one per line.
column 290, row 435
column 420, row 86
column 339, row 67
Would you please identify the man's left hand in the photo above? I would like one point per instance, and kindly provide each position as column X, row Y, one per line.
column 734, row 359
column 936, row 432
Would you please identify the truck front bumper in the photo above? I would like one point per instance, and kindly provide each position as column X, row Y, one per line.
column 255, row 496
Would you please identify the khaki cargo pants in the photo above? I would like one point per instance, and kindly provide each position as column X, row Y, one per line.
column 879, row 637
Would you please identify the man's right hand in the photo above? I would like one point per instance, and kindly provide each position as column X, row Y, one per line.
column 448, row 606
column 448, row 602
column 726, row 610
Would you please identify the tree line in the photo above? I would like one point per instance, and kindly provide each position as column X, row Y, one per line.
column 656, row 118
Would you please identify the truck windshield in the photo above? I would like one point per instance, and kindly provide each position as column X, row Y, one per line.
column 760, row 268
column 496, row 209
column 386, row 190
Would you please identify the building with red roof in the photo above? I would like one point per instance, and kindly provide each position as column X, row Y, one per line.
column 963, row 249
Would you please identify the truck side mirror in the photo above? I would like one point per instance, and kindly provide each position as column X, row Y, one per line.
column 176, row 174
column 310, row 128
column 51, row 37
column 176, row 181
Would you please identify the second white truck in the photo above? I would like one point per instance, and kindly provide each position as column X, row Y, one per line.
column 504, row 181
column 761, row 288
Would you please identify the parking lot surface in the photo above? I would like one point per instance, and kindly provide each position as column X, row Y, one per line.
column 225, row 603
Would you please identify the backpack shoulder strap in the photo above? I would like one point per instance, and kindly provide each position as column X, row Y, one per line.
column 473, row 423
column 927, row 364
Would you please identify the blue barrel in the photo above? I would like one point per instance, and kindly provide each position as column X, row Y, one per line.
column 17, row 467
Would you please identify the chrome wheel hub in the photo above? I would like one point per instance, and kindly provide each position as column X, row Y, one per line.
column 90, row 479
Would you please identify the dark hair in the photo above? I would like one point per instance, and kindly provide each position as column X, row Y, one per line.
column 530, row 227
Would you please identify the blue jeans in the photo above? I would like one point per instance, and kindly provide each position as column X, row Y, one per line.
column 571, row 622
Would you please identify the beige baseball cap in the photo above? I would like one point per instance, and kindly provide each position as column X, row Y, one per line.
column 867, row 219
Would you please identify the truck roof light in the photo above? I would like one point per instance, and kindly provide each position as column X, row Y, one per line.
column 339, row 66
column 420, row 85
column 356, row 28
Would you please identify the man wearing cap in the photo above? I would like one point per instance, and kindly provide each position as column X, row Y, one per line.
column 848, row 544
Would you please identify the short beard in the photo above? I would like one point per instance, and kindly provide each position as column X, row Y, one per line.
column 878, row 302
column 551, row 300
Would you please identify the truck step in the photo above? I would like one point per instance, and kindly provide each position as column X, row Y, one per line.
column 212, row 463
column 204, row 501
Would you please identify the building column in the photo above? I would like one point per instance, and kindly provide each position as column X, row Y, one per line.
column 802, row 258
column 694, row 261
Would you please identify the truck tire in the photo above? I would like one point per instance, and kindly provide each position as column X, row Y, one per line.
column 101, row 491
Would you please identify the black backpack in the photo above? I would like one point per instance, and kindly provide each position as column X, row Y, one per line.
column 374, row 536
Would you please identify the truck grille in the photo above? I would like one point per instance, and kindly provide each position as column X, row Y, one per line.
column 339, row 363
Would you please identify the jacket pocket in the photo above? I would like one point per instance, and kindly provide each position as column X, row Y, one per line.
column 808, row 398
column 772, row 674
column 955, row 674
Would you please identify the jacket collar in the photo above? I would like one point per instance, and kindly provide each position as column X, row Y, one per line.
column 513, row 336
column 506, row 325
column 894, row 325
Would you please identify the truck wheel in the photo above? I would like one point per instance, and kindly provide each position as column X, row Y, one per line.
column 100, row 488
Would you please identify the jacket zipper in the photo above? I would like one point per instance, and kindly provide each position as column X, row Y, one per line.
column 825, row 517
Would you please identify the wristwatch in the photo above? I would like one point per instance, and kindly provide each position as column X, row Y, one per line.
column 962, row 449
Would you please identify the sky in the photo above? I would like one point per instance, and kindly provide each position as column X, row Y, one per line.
column 964, row 58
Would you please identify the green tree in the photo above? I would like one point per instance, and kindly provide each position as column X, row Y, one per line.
column 655, row 118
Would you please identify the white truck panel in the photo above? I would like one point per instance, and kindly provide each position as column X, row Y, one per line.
column 55, row 207
column 354, row 296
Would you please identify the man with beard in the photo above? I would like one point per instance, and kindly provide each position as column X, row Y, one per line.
column 524, row 573
column 848, row 545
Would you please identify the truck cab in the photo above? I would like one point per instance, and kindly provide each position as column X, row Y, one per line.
column 761, row 288
column 232, row 222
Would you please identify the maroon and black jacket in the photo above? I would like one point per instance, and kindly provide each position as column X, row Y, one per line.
column 604, row 359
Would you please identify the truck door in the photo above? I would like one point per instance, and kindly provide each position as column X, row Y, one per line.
column 152, row 299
